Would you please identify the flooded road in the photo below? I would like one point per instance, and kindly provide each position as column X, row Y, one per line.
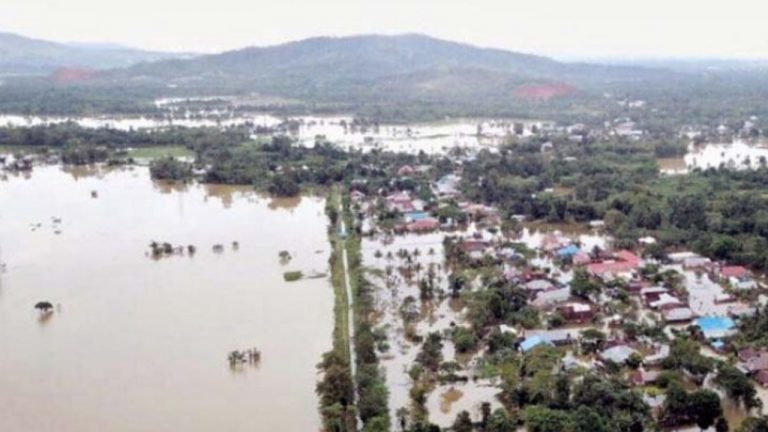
column 140, row 344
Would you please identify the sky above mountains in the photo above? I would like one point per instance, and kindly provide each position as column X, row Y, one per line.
column 564, row 29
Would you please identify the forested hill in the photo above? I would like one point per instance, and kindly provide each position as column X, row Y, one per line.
column 382, row 67
column 23, row 55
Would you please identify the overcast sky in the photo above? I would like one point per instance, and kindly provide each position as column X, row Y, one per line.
column 562, row 28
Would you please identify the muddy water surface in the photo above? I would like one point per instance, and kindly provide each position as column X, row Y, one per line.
column 137, row 344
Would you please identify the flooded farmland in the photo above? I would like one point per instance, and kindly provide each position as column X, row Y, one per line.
column 431, row 138
column 138, row 343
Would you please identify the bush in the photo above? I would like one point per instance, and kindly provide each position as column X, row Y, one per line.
column 291, row 276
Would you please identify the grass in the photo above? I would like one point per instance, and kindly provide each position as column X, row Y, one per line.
column 160, row 151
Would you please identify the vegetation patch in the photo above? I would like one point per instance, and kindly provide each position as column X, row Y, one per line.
column 291, row 276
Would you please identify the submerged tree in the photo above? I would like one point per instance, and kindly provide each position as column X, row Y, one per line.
column 43, row 306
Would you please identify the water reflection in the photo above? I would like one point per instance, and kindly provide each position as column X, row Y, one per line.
column 143, row 344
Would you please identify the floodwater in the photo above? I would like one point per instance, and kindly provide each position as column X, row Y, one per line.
column 140, row 344
column 738, row 155
column 432, row 138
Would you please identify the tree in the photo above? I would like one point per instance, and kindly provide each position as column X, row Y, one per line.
column 737, row 386
column 592, row 340
column 721, row 425
column 284, row 185
column 464, row 339
column 754, row 424
column 431, row 352
column 541, row 419
column 587, row 419
column 582, row 285
column 705, row 406
column 43, row 306
column 500, row 422
column 463, row 422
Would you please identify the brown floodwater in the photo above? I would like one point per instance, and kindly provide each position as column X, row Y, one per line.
column 138, row 344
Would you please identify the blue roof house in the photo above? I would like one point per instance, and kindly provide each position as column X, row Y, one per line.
column 716, row 327
column 532, row 342
column 568, row 251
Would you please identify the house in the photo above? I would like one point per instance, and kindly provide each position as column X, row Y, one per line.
column 424, row 225
column 697, row 262
column 741, row 310
column 656, row 403
column 623, row 262
column 680, row 257
column 448, row 186
column 635, row 286
column 553, row 241
column 724, row 298
column 745, row 354
column 557, row 337
column 678, row 315
column 400, row 201
column 406, row 170
column 577, row 312
column 513, row 274
column 414, row 216
column 552, row 297
column 652, row 294
column 655, row 359
column 531, row 343
column 568, row 251
column 538, row 285
column 762, row 378
column 474, row 245
column 581, row 258
column 596, row 223
column 509, row 253
column 716, row 327
column 356, row 196
column 743, row 283
column 727, row 272
column 757, row 363
column 643, row 377
column 665, row 302
column 617, row 354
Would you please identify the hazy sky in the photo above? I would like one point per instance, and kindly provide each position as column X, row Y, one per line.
column 563, row 28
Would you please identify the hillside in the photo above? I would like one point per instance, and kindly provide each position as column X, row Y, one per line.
column 382, row 68
column 23, row 55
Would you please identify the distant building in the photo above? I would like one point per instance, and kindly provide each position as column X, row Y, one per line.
column 577, row 312
column 617, row 354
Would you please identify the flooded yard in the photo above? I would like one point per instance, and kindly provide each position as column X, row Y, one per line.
column 136, row 343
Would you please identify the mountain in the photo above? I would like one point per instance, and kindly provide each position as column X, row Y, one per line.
column 23, row 55
column 382, row 68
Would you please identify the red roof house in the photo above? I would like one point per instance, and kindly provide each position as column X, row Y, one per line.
column 424, row 225
column 733, row 271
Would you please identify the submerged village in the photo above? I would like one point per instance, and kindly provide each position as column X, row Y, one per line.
column 476, row 313
column 480, row 287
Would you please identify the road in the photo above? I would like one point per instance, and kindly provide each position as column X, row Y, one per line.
column 350, row 315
